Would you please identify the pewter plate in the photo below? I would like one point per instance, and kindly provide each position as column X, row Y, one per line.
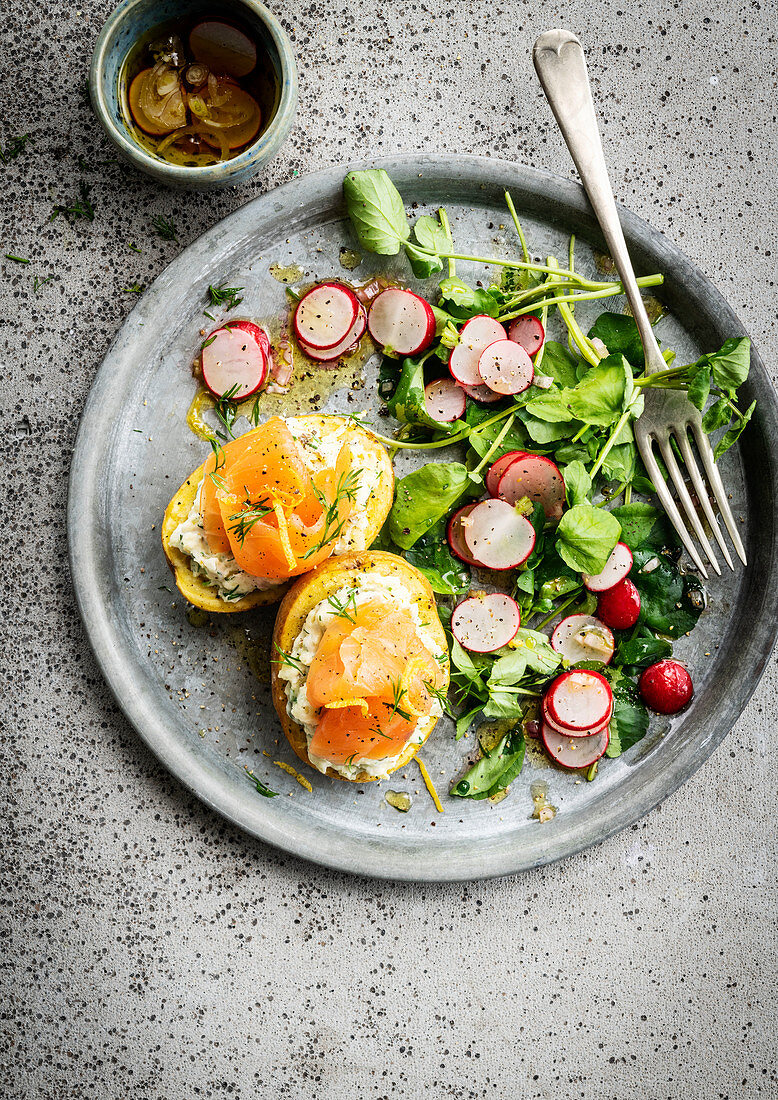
column 199, row 696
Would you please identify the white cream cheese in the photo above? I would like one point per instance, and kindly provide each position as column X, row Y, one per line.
column 224, row 573
column 295, row 671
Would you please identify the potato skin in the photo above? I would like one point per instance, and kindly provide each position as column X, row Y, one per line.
column 316, row 586
column 203, row 595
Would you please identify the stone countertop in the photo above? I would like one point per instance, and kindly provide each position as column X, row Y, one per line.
column 153, row 951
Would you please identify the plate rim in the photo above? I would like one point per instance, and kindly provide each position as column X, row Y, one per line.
column 204, row 779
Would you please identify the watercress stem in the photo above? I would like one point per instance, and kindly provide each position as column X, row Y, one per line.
column 475, row 474
column 557, row 610
column 611, row 440
column 449, row 440
column 519, row 230
column 610, row 290
column 452, row 265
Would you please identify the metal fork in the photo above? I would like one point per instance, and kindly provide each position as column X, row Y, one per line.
column 561, row 68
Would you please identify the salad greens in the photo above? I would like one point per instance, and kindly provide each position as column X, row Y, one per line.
column 588, row 389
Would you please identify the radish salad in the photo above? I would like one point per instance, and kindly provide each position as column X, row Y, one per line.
column 558, row 577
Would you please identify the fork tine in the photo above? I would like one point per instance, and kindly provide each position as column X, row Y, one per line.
column 719, row 492
column 644, row 443
column 701, row 490
column 688, row 506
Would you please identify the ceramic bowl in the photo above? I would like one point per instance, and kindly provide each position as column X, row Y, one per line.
column 129, row 22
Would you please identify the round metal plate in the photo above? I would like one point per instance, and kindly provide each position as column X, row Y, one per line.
column 199, row 696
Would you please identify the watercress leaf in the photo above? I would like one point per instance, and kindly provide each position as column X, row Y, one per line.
column 578, row 483
column 629, row 722
column 733, row 434
column 376, row 209
column 559, row 364
column 586, row 536
column 699, row 385
column 637, row 522
column 466, row 301
column 432, row 557
column 550, row 406
column 620, row 463
column 516, row 439
column 408, row 404
column 464, row 722
column 536, row 649
column 670, row 602
column 430, row 234
column 601, row 395
column 470, row 665
column 643, row 649
column 717, row 415
column 730, row 365
column 508, row 670
column 423, row 497
column 572, row 452
column 542, row 432
column 503, row 703
column 423, row 266
column 483, row 778
column 619, row 333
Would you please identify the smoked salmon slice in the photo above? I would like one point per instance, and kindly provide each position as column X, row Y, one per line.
column 372, row 678
column 261, row 504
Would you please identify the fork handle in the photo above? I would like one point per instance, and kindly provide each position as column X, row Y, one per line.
column 561, row 67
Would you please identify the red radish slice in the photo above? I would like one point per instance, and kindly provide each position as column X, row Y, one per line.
column 233, row 357
column 329, row 355
column 402, row 321
column 325, row 315
column 444, row 400
column 455, row 534
column 223, row 48
column 574, row 752
column 616, row 568
column 580, row 700
column 497, row 536
column 505, row 367
column 539, row 479
column 566, row 731
column 583, row 638
column 528, row 333
column 485, row 623
column 475, row 335
column 498, row 468
column 258, row 333
column 481, row 394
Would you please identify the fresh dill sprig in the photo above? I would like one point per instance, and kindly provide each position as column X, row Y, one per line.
column 16, row 259
column 288, row 659
column 226, row 409
column 252, row 512
column 15, row 146
column 136, row 288
column 226, row 296
column 345, row 609
column 164, row 228
column 261, row 787
column 398, row 691
column 133, row 247
column 333, row 524
column 37, row 283
column 79, row 208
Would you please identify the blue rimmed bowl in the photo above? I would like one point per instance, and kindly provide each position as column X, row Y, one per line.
column 130, row 21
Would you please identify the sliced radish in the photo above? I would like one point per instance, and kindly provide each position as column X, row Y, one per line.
column 616, row 568
column 455, row 532
column 402, row 321
column 528, row 333
column 233, row 357
column 475, row 335
column 505, row 367
column 583, row 638
column 498, row 468
column 325, row 315
column 498, row 536
column 482, row 394
column 565, row 730
column 580, row 700
column 539, row 479
column 574, row 752
column 485, row 623
column 329, row 355
column 444, row 400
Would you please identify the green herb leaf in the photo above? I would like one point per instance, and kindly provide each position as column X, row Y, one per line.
column 424, row 497
column 559, row 364
column 467, row 301
column 629, row 722
column 578, row 483
column 731, row 364
column 376, row 209
column 537, row 652
column 495, row 770
column 263, row 790
column 717, row 415
column 432, row 236
column 699, row 385
column 620, row 463
column 733, row 434
column 643, row 649
column 165, row 229
column 670, row 603
column 408, row 404
column 603, row 393
column 551, row 406
column 637, row 522
column 227, row 296
column 586, row 536
column 620, row 335
column 430, row 554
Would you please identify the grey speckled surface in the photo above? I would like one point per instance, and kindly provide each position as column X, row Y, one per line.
column 151, row 951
